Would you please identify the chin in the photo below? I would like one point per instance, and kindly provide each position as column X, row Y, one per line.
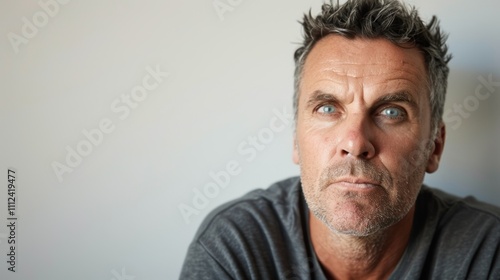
column 355, row 220
column 356, row 230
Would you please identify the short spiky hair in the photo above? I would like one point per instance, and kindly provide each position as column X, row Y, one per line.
column 389, row 19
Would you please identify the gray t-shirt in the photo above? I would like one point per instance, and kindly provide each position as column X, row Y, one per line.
column 265, row 235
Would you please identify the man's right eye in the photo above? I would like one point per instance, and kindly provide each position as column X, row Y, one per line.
column 327, row 109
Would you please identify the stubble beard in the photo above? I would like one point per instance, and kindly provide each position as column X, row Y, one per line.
column 365, row 215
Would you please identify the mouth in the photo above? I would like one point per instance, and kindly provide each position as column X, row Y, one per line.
column 355, row 184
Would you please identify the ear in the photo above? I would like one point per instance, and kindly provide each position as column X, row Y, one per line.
column 295, row 154
column 435, row 156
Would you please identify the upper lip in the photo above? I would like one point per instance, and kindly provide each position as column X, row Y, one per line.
column 355, row 180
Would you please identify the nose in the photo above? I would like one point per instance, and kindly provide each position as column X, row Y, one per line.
column 356, row 139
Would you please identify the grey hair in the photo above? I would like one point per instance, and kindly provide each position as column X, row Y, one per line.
column 389, row 19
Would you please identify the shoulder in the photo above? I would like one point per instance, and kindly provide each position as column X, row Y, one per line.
column 454, row 209
column 462, row 235
column 259, row 217
column 260, row 206
column 257, row 235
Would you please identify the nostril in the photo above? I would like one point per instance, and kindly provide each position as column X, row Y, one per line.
column 356, row 144
column 363, row 155
column 345, row 153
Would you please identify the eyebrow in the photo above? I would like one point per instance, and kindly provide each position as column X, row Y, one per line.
column 319, row 96
column 400, row 96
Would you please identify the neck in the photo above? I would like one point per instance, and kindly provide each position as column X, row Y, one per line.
column 354, row 257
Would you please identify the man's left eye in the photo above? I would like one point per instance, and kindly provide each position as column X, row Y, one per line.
column 393, row 112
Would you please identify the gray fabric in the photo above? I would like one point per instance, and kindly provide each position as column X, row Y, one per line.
column 264, row 235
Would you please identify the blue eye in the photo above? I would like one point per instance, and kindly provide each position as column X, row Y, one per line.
column 392, row 112
column 327, row 109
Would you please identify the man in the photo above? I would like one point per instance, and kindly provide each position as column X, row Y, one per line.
column 370, row 85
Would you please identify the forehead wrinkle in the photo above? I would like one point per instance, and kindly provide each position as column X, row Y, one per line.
column 337, row 61
column 338, row 74
column 363, row 70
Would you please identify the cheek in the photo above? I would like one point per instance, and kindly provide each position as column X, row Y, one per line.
column 316, row 146
column 315, row 154
column 405, row 159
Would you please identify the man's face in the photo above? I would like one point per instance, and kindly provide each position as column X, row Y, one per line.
column 363, row 136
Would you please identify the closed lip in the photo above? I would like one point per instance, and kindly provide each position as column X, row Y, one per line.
column 356, row 182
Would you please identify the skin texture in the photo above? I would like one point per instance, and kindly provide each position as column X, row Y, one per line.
column 363, row 142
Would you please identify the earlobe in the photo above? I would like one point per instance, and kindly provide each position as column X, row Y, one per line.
column 295, row 153
column 435, row 156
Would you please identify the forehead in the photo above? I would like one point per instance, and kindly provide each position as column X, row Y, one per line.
column 336, row 58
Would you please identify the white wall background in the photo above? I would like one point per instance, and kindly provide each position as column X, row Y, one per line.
column 116, row 214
